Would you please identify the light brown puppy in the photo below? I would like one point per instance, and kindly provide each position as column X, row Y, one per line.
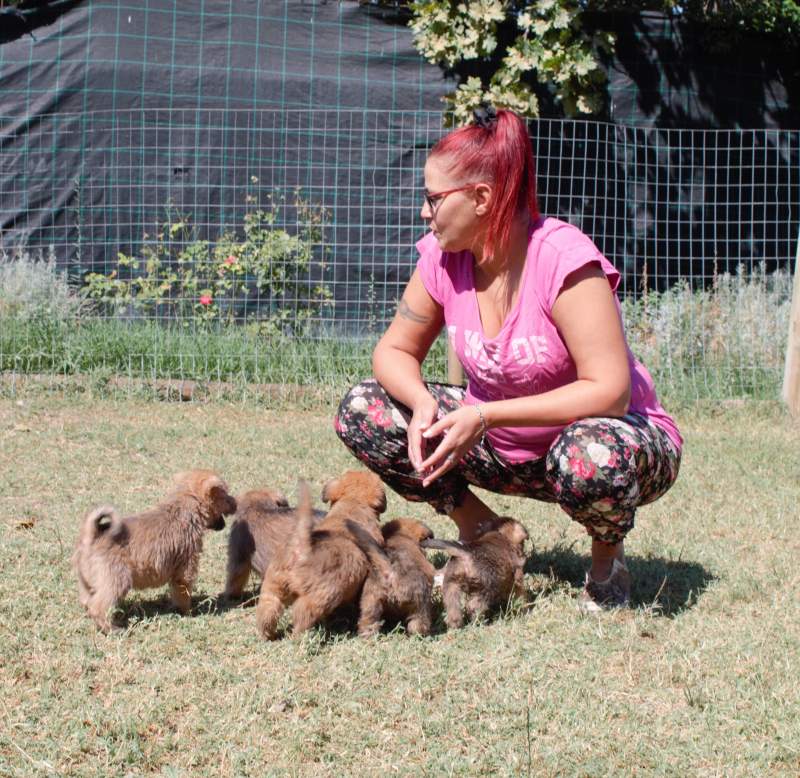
column 322, row 567
column 484, row 572
column 264, row 523
column 401, row 581
column 116, row 554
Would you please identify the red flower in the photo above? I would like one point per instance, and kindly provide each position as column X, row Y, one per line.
column 377, row 412
column 231, row 260
column 205, row 299
column 584, row 470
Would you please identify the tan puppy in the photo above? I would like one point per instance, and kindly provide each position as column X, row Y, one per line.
column 401, row 581
column 264, row 523
column 322, row 567
column 485, row 572
column 116, row 554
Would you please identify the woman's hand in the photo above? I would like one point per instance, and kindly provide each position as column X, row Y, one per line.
column 424, row 414
column 461, row 429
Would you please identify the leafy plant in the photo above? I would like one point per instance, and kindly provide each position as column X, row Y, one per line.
column 32, row 287
column 505, row 51
column 257, row 275
column 520, row 43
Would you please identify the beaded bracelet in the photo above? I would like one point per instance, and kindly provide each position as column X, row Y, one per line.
column 482, row 418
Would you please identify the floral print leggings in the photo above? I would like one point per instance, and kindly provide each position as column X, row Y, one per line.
column 598, row 470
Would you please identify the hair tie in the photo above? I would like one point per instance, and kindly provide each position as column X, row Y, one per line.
column 485, row 116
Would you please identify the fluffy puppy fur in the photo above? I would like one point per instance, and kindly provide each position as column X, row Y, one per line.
column 401, row 581
column 322, row 567
column 264, row 523
column 115, row 554
column 483, row 572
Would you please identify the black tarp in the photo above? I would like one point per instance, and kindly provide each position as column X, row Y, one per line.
column 113, row 113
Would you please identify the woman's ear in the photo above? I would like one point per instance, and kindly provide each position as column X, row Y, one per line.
column 483, row 198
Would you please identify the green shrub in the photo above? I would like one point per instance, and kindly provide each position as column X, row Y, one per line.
column 255, row 276
column 730, row 339
column 520, row 43
column 32, row 288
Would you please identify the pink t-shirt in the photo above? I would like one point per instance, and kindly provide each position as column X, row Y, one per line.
column 528, row 355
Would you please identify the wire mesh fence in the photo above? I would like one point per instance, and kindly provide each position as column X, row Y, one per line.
column 269, row 247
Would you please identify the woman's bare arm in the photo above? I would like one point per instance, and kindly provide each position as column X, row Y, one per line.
column 398, row 357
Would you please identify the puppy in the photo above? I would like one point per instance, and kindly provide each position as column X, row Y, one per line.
column 322, row 567
column 115, row 554
column 485, row 572
column 401, row 581
column 264, row 523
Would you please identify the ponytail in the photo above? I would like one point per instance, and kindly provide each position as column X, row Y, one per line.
column 495, row 149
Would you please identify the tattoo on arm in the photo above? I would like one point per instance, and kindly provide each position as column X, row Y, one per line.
column 405, row 311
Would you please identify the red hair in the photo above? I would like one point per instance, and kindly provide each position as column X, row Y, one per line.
column 500, row 154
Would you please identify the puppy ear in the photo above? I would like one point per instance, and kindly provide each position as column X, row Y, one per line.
column 425, row 531
column 380, row 502
column 332, row 491
column 213, row 484
column 216, row 492
column 280, row 499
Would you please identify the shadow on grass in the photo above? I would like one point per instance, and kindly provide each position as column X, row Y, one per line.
column 131, row 611
column 667, row 586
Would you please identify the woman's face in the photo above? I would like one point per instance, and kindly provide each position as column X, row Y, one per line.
column 455, row 218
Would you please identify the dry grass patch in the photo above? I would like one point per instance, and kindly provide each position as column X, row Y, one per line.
column 699, row 679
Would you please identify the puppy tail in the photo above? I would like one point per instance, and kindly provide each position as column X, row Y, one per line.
column 374, row 553
column 305, row 522
column 101, row 521
column 454, row 549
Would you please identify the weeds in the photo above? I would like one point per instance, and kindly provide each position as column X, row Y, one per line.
column 723, row 342
column 32, row 288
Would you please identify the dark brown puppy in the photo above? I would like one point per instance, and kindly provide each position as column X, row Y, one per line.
column 116, row 554
column 484, row 572
column 264, row 523
column 322, row 567
column 401, row 581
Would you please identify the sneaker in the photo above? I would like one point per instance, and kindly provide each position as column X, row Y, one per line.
column 614, row 592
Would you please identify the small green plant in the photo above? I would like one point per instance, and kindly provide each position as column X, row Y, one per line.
column 735, row 329
column 257, row 275
column 32, row 288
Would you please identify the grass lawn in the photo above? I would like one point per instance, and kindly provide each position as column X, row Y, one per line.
column 700, row 678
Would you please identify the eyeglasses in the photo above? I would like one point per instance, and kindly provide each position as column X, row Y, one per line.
column 434, row 199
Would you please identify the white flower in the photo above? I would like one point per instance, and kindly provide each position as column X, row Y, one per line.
column 357, row 391
column 359, row 404
column 541, row 27
column 563, row 463
column 599, row 454
column 561, row 19
column 516, row 59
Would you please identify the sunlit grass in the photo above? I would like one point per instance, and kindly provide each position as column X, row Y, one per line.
column 700, row 678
